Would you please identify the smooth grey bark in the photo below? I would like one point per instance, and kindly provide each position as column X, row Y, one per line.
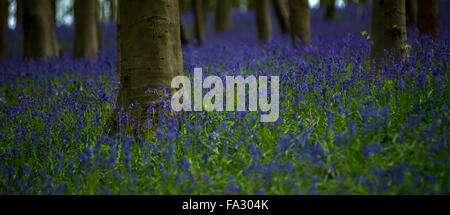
column 428, row 18
column 199, row 23
column 150, row 52
column 282, row 15
column 222, row 20
column 86, row 29
column 300, row 21
column 411, row 12
column 388, row 28
column 263, row 21
column 330, row 9
column 38, row 29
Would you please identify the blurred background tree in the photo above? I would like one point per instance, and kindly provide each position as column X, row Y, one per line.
column 428, row 17
column 388, row 29
column 263, row 22
column 113, row 10
column 419, row 13
column 39, row 38
column 222, row 20
column 411, row 12
column 147, row 62
column 86, row 29
column 185, row 38
column 300, row 21
column 330, row 9
column 4, row 4
column 199, row 20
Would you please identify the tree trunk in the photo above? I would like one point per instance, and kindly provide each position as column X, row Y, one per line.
column 185, row 38
column 206, row 5
column 19, row 12
column 55, row 45
column 4, row 13
column 37, row 26
column 330, row 10
column 282, row 15
column 263, row 21
column 198, row 21
column 300, row 21
column 411, row 12
column 360, row 11
column 222, row 21
column 86, row 29
column 113, row 9
column 388, row 28
column 251, row 5
column 184, row 6
column 101, row 11
column 118, row 41
column 2, row 29
column 428, row 18
column 150, row 51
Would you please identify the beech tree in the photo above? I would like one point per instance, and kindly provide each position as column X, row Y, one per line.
column 323, row 3
column 411, row 12
column 4, row 12
column 428, row 18
column 300, row 21
column 38, row 29
column 360, row 10
column 55, row 45
column 113, row 10
column 150, row 51
column 3, row 25
column 263, row 21
column 282, row 15
column 185, row 38
column 199, row 23
column 86, row 29
column 388, row 28
column 330, row 9
column 222, row 20
column 206, row 5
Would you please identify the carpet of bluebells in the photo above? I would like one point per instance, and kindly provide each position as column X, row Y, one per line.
column 342, row 129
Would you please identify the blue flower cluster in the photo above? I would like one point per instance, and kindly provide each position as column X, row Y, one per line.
column 342, row 129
